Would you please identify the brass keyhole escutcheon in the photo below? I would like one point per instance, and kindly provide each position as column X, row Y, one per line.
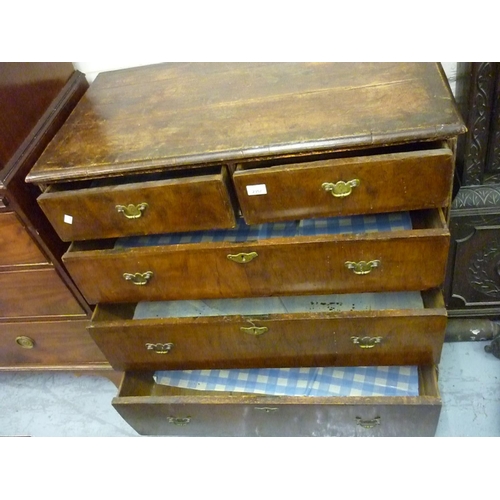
column 179, row 420
column 254, row 330
column 160, row 348
column 243, row 258
column 362, row 267
column 132, row 211
column 340, row 189
column 366, row 342
column 25, row 342
column 368, row 424
column 139, row 279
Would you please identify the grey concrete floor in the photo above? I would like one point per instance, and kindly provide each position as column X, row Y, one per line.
column 67, row 405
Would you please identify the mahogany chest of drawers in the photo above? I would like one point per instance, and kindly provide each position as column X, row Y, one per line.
column 43, row 316
column 237, row 215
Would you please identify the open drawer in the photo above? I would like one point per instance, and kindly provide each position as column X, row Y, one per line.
column 154, row 409
column 411, row 177
column 175, row 201
column 334, row 330
column 314, row 256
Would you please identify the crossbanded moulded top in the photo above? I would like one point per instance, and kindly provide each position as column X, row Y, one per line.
column 189, row 114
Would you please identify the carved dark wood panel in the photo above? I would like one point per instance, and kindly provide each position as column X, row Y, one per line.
column 478, row 83
column 472, row 285
column 475, row 262
column 493, row 153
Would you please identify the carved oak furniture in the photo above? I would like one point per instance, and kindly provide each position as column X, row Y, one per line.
column 254, row 216
column 43, row 316
column 473, row 276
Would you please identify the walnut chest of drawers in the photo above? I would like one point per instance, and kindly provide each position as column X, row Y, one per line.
column 238, row 186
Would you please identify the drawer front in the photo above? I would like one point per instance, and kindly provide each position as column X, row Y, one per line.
column 172, row 205
column 365, row 184
column 406, row 260
column 386, row 337
column 169, row 412
column 48, row 344
column 17, row 246
column 39, row 293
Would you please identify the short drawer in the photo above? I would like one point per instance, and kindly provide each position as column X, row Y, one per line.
column 329, row 330
column 323, row 263
column 167, row 202
column 36, row 294
column 48, row 345
column 153, row 409
column 372, row 182
column 18, row 248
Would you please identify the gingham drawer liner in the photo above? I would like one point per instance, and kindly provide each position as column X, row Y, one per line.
column 325, row 381
column 308, row 227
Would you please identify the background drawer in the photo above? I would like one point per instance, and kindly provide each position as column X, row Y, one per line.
column 17, row 246
column 362, row 337
column 39, row 293
column 191, row 202
column 409, row 260
column 152, row 409
column 373, row 183
column 56, row 344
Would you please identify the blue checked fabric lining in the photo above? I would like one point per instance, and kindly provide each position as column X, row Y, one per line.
column 325, row 381
column 307, row 227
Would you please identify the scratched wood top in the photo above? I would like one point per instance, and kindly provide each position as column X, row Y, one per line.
column 178, row 114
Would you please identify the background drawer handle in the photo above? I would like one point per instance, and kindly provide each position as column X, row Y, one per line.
column 254, row 330
column 179, row 420
column 25, row 342
column 139, row 279
column 340, row 189
column 366, row 342
column 131, row 211
column 368, row 424
column 362, row 267
column 242, row 258
column 160, row 348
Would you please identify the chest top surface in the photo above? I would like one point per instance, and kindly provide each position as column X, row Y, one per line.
column 179, row 114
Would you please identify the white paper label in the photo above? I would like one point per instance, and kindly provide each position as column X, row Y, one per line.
column 256, row 189
column 68, row 219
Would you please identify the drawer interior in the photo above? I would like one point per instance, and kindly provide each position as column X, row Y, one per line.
column 143, row 385
column 431, row 219
column 299, row 305
column 363, row 152
column 123, row 180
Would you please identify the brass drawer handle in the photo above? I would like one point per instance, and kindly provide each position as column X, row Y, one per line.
column 368, row 424
column 254, row 330
column 366, row 342
column 131, row 211
column 139, row 279
column 179, row 420
column 340, row 189
column 266, row 409
column 362, row 267
column 160, row 348
column 242, row 258
column 25, row 342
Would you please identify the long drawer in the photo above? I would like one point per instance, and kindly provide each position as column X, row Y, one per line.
column 153, row 409
column 396, row 260
column 36, row 294
column 342, row 330
column 167, row 202
column 18, row 248
column 49, row 344
column 370, row 182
